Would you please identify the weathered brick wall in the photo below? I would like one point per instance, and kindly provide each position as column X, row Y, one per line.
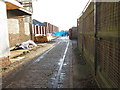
column 4, row 61
column 22, row 35
column 51, row 28
column 74, row 32
column 19, row 29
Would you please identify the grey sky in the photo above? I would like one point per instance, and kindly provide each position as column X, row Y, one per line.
column 62, row 13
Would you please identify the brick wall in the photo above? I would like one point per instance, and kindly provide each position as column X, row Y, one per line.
column 73, row 33
column 51, row 28
column 4, row 61
column 20, row 29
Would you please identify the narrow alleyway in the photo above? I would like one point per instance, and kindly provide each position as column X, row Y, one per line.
column 58, row 67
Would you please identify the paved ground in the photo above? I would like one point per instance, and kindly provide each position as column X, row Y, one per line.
column 58, row 67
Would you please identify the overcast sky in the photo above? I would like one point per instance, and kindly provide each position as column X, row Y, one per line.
column 62, row 13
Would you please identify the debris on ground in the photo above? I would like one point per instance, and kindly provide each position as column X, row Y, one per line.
column 25, row 45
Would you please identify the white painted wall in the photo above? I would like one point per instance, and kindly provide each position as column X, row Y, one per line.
column 13, row 26
column 4, row 41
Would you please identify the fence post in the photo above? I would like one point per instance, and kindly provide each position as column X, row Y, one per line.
column 77, row 31
column 95, row 29
column 82, row 35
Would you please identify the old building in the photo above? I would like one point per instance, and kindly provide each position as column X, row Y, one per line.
column 73, row 33
column 39, row 28
column 4, row 41
column 20, row 23
column 15, row 26
column 50, row 28
column 44, row 28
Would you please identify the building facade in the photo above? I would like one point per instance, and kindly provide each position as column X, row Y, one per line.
column 20, row 23
column 44, row 28
column 15, row 26
column 73, row 33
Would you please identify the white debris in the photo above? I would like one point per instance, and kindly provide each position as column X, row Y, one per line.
column 25, row 45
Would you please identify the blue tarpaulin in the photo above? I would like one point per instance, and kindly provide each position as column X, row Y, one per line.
column 60, row 34
column 35, row 22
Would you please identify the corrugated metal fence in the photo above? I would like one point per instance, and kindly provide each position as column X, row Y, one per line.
column 98, row 40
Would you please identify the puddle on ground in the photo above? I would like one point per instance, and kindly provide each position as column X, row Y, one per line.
column 62, row 76
column 65, row 64
column 60, row 62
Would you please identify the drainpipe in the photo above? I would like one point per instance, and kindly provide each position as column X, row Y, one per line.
column 82, row 35
column 77, row 31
